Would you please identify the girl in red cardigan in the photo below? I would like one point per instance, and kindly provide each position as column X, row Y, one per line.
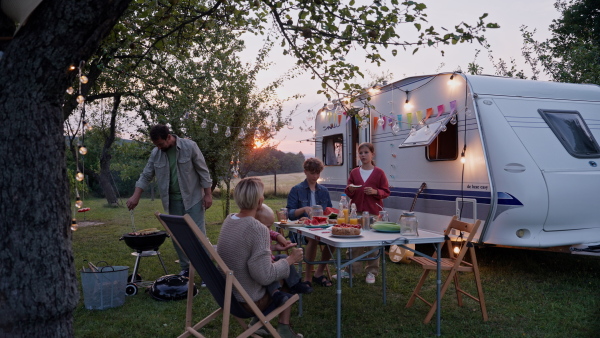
column 368, row 197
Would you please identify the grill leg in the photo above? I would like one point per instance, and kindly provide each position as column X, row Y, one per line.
column 161, row 262
column 136, row 266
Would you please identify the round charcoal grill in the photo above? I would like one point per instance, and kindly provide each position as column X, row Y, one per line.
column 145, row 242
column 145, row 246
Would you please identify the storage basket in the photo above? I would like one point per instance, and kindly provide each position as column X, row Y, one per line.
column 104, row 288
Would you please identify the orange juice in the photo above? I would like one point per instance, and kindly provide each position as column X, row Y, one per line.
column 353, row 220
column 341, row 220
column 346, row 211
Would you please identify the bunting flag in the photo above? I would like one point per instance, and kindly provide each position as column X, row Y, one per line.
column 384, row 121
column 440, row 109
column 399, row 121
column 409, row 119
column 419, row 116
column 452, row 106
column 375, row 118
column 339, row 119
column 429, row 113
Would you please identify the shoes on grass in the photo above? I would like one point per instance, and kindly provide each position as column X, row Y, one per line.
column 285, row 331
column 185, row 273
column 345, row 274
column 370, row 278
column 262, row 331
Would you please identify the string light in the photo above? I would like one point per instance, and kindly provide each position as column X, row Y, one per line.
column 242, row 134
column 83, row 150
column 80, row 99
column 227, row 132
column 78, row 202
column 203, row 124
column 83, row 79
column 79, row 176
column 330, row 105
column 74, row 225
column 215, row 129
column 70, row 90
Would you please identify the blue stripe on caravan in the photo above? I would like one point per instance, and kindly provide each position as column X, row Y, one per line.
column 504, row 198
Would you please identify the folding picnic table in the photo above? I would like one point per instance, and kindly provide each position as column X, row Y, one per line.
column 372, row 239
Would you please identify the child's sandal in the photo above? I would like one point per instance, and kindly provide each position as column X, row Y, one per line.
column 322, row 280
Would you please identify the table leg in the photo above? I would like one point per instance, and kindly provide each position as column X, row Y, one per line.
column 339, row 292
column 383, row 276
column 438, row 318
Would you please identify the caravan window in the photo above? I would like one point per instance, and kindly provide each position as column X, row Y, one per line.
column 333, row 150
column 572, row 131
column 445, row 146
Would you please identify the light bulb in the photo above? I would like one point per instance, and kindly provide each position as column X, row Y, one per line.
column 330, row 105
column 80, row 99
column 456, row 250
column 427, row 130
column 413, row 130
column 70, row 90
column 462, row 159
column 444, row 128
column 364, row 124
column 203, row 125
column 408, row 105
column 215, row 129
column 72, row 67
column 395, row 129
column 74, row 225
column 82, row 150
column 83, row 79
column 89, row 126
column 290, row 125
column 468, row 111
column 78, row 203
column 79, row 176
column 242, row 134
column 381, row 121
column 453, row 120
column 227, row 132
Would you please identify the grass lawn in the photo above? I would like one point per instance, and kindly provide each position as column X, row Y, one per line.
column 528, row 293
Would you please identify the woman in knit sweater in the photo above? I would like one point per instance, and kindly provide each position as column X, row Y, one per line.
column 373, row 188
column 244, row 246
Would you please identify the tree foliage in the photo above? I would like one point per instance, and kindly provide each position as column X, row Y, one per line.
column 572, row 54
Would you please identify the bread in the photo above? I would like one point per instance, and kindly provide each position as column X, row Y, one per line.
column 345, row 231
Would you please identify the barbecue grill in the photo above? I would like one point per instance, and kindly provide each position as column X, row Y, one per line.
column 145, row 244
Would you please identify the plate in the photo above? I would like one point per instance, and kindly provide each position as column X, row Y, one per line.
column 292, row 223
column 346, row 236
column 395, row 231
column 318, row 226
column 355, row 186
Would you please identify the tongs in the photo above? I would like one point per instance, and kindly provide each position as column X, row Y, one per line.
column 132, row 221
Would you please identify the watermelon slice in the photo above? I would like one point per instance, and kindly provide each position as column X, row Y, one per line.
column 319, row 220
column 329, row 210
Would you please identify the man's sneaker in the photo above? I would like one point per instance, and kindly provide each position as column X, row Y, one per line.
column 262, row 331
column 285, row 331
column 185, row 273
column 370, row 278
column 202, row 284
column 345, row 274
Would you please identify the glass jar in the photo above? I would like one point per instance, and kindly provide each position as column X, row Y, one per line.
column 409, row 225
column 383, row 216
column 317, row 210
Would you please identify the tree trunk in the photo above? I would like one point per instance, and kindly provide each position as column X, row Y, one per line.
column 38, row 284
column 105, row 175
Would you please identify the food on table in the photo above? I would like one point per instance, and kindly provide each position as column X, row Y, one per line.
column 331, row 212
column 346, row 230
column 316, row 220
column 386, row 226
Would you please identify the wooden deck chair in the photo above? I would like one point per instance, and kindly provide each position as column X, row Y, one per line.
column 219, row 279
column 454, row 264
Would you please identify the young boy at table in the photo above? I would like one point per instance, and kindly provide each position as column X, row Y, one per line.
column 372, row 188
column 266, row 216
column 300, row 199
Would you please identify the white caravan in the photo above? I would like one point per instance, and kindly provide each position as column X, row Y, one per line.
column 520, row 155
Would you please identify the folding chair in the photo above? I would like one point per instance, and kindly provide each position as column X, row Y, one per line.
column 219, row 279
column 454, row 264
